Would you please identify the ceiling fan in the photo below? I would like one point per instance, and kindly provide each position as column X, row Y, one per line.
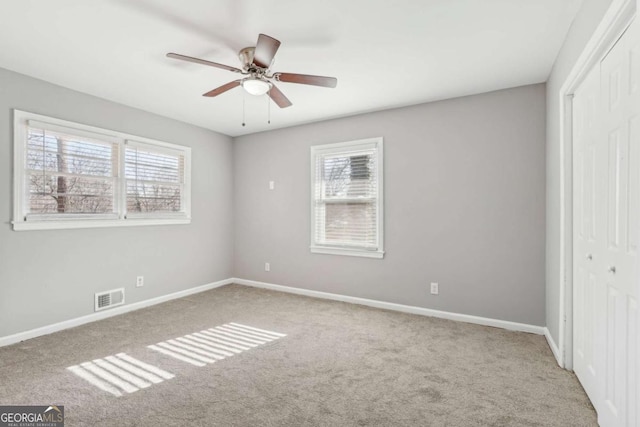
column 256, row 63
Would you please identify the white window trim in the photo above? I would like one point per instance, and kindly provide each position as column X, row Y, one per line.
column 119, row 219
column 346, row 147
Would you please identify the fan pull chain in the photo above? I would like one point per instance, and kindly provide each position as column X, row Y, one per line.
column 243, row 99
column 268, row 109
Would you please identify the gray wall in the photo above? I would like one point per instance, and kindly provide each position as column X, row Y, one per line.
column 51, row 276
column 464, row 206
column 581, row 30
column 464, row 201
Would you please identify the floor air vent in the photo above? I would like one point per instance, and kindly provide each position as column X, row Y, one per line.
column 109, row 299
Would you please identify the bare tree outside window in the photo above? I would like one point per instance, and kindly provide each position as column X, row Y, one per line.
column 61, row 191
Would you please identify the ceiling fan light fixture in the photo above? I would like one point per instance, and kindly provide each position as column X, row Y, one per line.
column 255, row 86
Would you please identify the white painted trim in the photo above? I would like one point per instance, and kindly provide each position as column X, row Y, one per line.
column 504, row 324
column 553, row 346
column 345, row 251
column 94, row 223
column 71, row 323
column 613, row 24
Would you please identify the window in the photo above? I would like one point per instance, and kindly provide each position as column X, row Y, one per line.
column 67, row 175
column 154, row 178
column 346, row 198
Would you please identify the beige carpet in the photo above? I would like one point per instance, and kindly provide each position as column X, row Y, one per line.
column 338, row 365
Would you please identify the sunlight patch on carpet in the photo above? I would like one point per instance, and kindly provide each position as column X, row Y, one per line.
column 120, row 373
column 213, row 344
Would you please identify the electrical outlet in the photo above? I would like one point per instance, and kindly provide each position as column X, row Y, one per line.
column 434, row 288
column 267, row 266
column 139, row 281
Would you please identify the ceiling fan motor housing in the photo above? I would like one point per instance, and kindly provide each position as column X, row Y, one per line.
column 246, row 58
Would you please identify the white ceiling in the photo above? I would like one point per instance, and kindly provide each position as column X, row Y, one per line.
column 384, row 53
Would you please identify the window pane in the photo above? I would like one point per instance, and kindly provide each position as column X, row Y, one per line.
column 62, row 194
column 350, row 223
column 154, row 180
column 149, row 197
column 349, row 176
column 56, row 152
column 144, row 165
column 69, row 174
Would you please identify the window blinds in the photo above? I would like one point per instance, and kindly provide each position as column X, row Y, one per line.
column 154, row 179
column 346, row 198
column 69, row 173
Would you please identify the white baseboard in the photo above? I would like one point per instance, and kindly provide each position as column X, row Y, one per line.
column 504, row 324
column 554, row 347
column 21, row 336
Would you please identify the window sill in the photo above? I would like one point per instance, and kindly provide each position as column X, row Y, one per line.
column 95, row 223
column 349, row 252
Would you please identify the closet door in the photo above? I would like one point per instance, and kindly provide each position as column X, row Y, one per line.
column 607, row 232
column 620, row 100
column 588, row 234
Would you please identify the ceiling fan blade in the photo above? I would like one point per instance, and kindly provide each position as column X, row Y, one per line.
column 278, row 97
column 217, row 91
column 203, row 62
column 266, row 49
column 306, row 79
